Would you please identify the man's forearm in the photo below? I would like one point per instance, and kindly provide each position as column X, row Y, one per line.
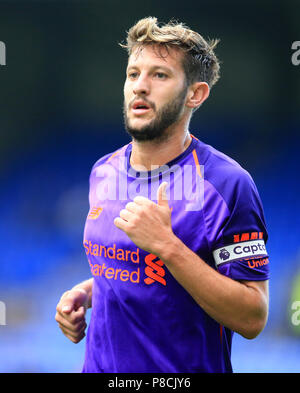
column 238, row 306
column 87, row 286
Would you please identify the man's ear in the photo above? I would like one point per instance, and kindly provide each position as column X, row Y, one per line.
column 198, row 92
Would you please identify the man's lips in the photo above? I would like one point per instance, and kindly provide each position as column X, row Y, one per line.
column 141, row 111
column 140, row 107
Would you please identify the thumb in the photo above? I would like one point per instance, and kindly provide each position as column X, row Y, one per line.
column 72, row 301
column 68, row 306
column 162, row 199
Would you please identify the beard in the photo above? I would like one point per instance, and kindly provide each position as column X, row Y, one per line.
column 158, row 129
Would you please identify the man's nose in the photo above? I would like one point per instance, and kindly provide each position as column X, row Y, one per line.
column 141, row 86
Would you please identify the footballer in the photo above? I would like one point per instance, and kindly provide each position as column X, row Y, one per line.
column 175, row 236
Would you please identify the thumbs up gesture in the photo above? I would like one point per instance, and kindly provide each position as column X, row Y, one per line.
column 148, row 224
column 162, row 199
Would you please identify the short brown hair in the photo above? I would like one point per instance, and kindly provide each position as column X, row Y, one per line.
column 199, row 61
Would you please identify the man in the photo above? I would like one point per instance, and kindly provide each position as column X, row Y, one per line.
column 175, row 236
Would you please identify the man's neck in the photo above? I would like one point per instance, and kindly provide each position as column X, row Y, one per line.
column 149, row 155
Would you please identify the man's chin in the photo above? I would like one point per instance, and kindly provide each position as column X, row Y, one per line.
column 139, row 135
column 139, row 131
column 147, row 134
column 138, row 124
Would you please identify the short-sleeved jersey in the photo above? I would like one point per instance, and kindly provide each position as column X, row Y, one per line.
column 142, row 319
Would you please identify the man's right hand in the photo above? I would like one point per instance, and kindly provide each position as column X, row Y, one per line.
column 70, row 314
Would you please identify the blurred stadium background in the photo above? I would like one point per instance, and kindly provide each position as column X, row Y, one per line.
column 61, row 109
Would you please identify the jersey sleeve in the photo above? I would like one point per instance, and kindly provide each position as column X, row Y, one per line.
column 238, row 233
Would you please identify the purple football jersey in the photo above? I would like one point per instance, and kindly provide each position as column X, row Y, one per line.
column 142, row 319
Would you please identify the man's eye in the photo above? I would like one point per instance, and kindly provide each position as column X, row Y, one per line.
column 160, row 75
column 132, row 75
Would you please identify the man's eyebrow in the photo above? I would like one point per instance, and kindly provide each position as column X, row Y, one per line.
column 153, row 68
